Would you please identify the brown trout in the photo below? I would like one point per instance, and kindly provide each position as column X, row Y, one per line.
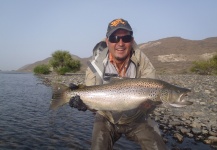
column 123, row 94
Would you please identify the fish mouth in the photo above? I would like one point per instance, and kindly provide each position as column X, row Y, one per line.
column 182, row 101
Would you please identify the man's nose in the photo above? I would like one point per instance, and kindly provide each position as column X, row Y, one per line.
column 120, row 42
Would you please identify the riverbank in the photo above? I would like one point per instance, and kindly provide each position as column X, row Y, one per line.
column 198, row 121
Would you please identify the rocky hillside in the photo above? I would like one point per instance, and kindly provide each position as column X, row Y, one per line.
column 175, row 55
column 168, row 55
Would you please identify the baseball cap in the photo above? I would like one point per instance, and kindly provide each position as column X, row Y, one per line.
column 118, row 24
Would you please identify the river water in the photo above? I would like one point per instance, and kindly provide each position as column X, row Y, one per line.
column 27, row 123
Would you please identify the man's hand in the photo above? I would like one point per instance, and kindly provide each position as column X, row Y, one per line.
column 76, row 102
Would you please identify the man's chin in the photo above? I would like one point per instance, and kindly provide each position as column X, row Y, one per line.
column 120, row 58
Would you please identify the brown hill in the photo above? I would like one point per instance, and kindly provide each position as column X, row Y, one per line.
column 175, row 55
column 30, row 67
column 168, row 55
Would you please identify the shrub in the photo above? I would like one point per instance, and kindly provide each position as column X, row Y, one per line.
column 62, row 70
column 208, row 67
column 62, row 62
column 42, row 69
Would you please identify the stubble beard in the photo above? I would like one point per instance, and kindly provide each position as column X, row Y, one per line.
column 121, row 58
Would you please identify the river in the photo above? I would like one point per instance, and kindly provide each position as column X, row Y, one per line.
column 27, row 123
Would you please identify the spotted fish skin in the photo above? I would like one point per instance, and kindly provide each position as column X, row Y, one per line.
column 125, row 94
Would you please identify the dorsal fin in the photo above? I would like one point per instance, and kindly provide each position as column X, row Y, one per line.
column 73, row 86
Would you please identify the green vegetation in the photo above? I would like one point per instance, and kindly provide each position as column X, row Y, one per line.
column 208, row 67
column 62, row 62
column 42, row 69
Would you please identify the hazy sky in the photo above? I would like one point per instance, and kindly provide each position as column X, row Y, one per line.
column 31, row 30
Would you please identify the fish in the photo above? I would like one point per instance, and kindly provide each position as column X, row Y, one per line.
column 123, row 94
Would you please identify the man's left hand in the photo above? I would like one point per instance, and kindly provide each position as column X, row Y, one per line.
column 76, row 102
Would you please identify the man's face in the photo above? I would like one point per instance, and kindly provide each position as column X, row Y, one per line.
column 121, row 49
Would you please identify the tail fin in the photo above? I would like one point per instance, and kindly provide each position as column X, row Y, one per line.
column 59, row 96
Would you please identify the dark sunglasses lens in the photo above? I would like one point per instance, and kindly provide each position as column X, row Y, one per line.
column 127, row 38
column 116, row 39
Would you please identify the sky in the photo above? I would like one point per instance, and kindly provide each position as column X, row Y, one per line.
column 31, row 30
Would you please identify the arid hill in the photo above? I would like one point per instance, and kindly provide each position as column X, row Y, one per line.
column 175, row 55
column 168, row 55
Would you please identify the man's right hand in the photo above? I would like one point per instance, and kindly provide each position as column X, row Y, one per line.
column 76, row 102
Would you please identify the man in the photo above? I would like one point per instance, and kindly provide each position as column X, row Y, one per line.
column 119, row 56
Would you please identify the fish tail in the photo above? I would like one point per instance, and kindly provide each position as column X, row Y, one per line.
column 59, row 96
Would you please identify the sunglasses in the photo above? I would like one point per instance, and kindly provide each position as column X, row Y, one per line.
column 116, row 39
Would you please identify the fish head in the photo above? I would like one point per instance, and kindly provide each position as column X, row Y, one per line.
column 175, row 96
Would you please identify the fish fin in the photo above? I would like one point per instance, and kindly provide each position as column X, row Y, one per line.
column 59, row 96
column 149, row 105
column 73, row 86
